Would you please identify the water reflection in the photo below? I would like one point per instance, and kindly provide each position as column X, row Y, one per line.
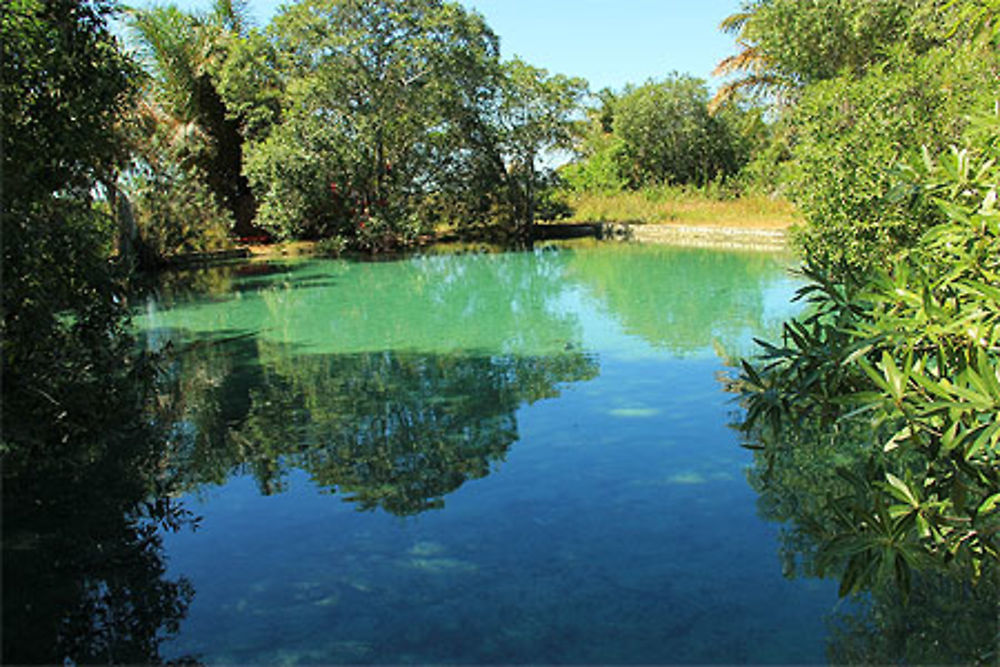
column 83, row 566
column 487, row 303
column 802, row 477
column 687, row 299
column 390, row 430
column 391, row 383
column 945, row 621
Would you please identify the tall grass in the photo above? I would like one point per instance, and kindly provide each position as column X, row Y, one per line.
column 682, row 206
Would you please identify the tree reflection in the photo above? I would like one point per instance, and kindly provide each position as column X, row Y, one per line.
column 389, row 430
column 441, row 303
column 683, row 299
column 83, row 570
column 804, row 475
column 391, row 383
column 945, row 621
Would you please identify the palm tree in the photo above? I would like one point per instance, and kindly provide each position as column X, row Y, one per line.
column 182, row 52
column 758, row 76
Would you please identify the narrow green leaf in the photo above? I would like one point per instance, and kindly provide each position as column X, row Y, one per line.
column 900, row 490
column 989, row 504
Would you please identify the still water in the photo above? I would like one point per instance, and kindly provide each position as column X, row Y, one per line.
column 477, row 458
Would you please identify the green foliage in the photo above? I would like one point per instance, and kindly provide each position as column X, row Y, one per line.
column 847, row 131
column 662, row 134
column 383, row 105
column 176, row 214
column 300, row 173
column 192, row 59
column 172, row 206
column 79, row 454
column 601, row 168
column 669, row 136
column 787, row 45
column 856, row 84
column 534, row 116
column 64, row 84
column 812, row 41
column 902, row 374
column 250, row 83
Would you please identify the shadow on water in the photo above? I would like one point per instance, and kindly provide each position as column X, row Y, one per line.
column 222, row 282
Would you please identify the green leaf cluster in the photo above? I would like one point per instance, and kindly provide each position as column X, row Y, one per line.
column 849, row 132
column 895, row 380
column 854, row 85
column 189, row 129
column 398, row 115
column 661, row 133
column 83, row 574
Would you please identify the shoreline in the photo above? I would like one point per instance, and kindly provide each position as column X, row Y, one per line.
column 767, row 239
column 750, row 238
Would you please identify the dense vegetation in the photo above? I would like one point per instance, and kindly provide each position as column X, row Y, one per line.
column 367, row 123
column 371, row 123
column 876, row 419
column 78, row 438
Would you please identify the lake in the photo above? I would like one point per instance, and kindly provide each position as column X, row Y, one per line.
column 476, row 458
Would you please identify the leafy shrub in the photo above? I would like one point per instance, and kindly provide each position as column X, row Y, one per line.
column 669, row 137
column 847, row 130
column 898, row 376
column 178, row 215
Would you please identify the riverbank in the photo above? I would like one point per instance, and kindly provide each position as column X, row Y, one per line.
column 665, row 216
column 746, row 237
column 712, row 236
column 677, row 216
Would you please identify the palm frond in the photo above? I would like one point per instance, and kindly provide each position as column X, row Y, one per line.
column 169, row 47
column 734, row 23
column 763, row 84
column 232, row 16
column 750, row 59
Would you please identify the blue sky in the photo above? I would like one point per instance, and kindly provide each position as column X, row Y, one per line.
column 613, row 42
column 607, row 42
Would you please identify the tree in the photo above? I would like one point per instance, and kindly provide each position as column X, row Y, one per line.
column 885, row 393
column 786, row 45
column 382, row 97
column 860, row 83
column 848, row 132
column 187, row 54
column 79, row 452
column 896, row 376
column 535, row 116
column 65, row 86
column 757, row 78
column 669, row 137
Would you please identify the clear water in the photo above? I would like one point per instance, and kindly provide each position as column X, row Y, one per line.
column 478, row 458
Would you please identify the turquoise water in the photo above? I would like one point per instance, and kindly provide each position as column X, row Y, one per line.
column 476, row 458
